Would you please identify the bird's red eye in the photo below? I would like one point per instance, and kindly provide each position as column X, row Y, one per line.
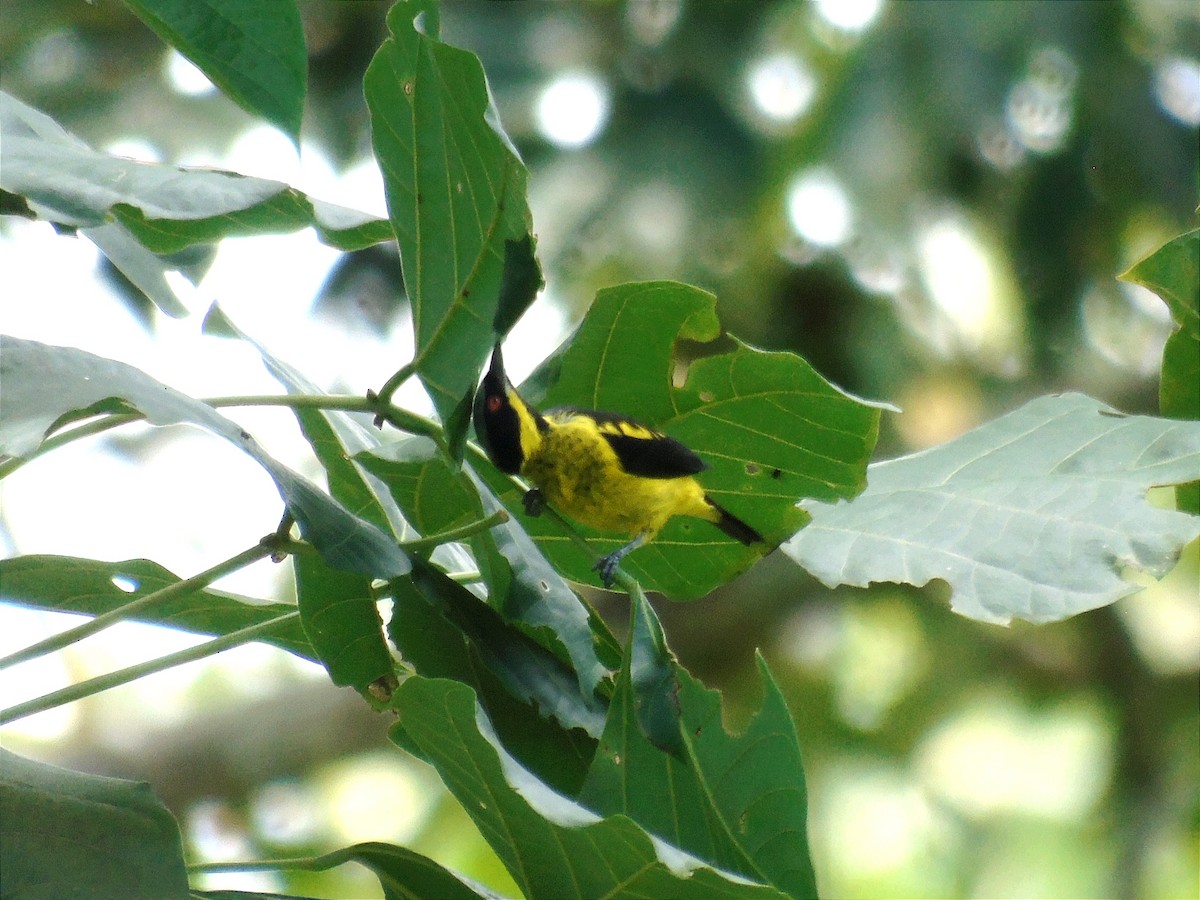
column 494, row 403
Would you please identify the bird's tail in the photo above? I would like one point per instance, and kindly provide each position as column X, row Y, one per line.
column 733, row 526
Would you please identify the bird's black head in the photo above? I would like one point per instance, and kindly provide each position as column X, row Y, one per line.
column 497, row 421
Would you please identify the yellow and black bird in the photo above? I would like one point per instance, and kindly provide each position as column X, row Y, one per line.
column 601, row 469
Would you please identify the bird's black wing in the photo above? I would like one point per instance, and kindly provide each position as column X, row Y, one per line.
column 641, row 450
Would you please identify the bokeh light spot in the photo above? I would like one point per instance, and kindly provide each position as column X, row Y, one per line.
column 781, row 87
column 1177, row 86
column 819, row 209
column 573, row 109
column 185, row 77
column 849, row 15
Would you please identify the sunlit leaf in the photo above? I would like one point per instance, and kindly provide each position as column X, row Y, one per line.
column 1035, row 515
column 42, row 384
column 164, row 208
column 67, row 834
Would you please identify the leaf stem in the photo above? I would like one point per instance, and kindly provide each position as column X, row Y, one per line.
column 132, row 673
column 499, row 517
column 178, row 589
column 98, row 426
column 390, row 386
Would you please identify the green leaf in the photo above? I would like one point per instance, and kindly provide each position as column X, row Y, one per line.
column 92, row 587
column 737, row 801
column 651, row 673
column 1179, row 398
column 42, row 384
column 435, row 647
column 69, row 835
column 554, row 847
column 253, row 50
column 530, row 672
column 456, row 196
column 431, row 495
column 120, row 203
column 336, row 607
column 403, row 875
column 770, row 428
column 1173, row 272
column 522, row 586
column 1035, row 515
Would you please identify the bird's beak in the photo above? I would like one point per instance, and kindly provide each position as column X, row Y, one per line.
column 496, row 372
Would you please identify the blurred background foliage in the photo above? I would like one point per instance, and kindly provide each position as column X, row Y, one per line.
column 930, row 202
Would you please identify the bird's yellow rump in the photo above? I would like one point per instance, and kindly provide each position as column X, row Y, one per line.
column 600, row 469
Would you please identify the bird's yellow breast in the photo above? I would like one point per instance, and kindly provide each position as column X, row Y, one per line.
column 579, row 473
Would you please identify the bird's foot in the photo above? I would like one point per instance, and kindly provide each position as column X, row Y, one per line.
column 607, row 567
column 534, row 502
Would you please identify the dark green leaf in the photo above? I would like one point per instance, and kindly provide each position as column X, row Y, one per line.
column 44, row 383
column 528, row 670
column 456, row 194
column 553, row 847
column 737, row 801
column 92, row 587
column 1064, row 475
column 651, row 668
column 69, row 835
column 522, row 585
column 436, row 648
column 1179, row 398
column 770, row 428
column 253, row 50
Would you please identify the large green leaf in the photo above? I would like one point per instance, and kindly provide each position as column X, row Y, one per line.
column 92, row 587
column 770, row 428
column 736, row 801
column 1035, row 515
column 253, row 50
column 121, row 203
column 67, row 835
column 553, row 846
column 43, row 384
column 456, row 195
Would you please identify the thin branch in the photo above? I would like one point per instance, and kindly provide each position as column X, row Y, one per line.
column 132, row 673
column 141, row 604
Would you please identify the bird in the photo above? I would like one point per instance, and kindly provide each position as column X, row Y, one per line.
column 601, row 469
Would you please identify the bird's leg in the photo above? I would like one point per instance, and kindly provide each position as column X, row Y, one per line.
column 534, row 502
column 607, row 565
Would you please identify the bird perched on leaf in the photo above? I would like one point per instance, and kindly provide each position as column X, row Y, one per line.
column 600, row 469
